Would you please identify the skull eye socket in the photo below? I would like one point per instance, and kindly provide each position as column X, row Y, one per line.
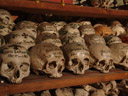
column 74, row 61
column 102, row 62
column 60, row 69
column 52, row 64
column 86, row 59
column 111, row 62
column 9, row 66
column 81, row 66
column 24, row 67
column 54, row 34
column 7, row 18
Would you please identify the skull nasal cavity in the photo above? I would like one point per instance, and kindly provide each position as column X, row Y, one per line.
column 74, row 61
column 102, row 62
column 17, row 74
column 52, row 64
column 81, row 66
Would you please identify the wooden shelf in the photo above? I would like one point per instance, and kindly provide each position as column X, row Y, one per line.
column 58, row 9
column 37, row 83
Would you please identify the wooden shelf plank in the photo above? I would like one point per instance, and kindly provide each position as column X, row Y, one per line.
column 58, row 9
column 37, row 83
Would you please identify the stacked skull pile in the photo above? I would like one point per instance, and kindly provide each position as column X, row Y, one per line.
column 51, row 48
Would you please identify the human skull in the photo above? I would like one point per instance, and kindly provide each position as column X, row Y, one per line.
column 112, row 39
column 5, row 18
column 74, row 25
column 86, row 30
column 4, row 29
column 111, row 89
column 15, row 63
column 88, row 23
column 25, row 94
column 46, row 27
column 78, row 57
column 119, row 3
column 29, row 26
column 88, row 87
column 68, row 31
column 81, row 92
column 118, row 30
column 107, row 3
column 116, row 23
column 98, row 92
column 94, row 39
column 49, row 38
column 64, row 92
column 59, row 25
column 102, row 56
column 73, row 38
column 47, row 58
column 125, row 2
column 46, row 93
column 22, row 37
column 120, row 54
column 123, row 84
column 103, row 30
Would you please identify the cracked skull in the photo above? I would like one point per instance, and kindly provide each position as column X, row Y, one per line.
column 78, row 57
column 47, row 58
column 15, row 63
column 102, row 56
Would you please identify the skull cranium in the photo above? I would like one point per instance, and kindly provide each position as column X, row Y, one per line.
column 29, row 26
column 102, row 56
column 94, row 39
column 15, row 63
column 22, row 37
column 46, row 27
column 47, row 58
column 49, row 38
column 120, row 54
column 78, row 57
